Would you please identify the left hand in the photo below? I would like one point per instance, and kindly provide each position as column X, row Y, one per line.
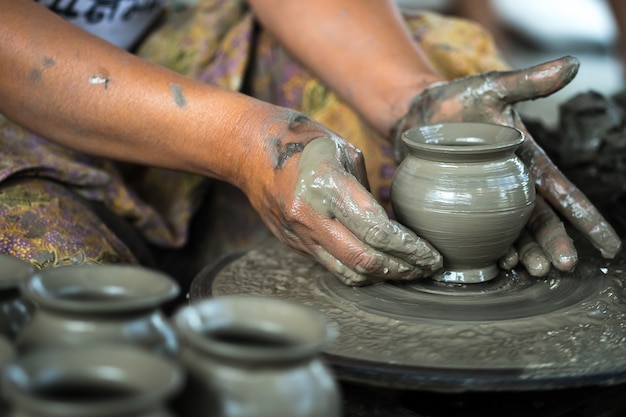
column 490, row 97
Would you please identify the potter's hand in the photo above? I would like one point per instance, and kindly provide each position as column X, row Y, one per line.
column 316, row 203
column 490, row 97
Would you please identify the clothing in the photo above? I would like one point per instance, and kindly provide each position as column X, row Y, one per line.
column 121, row 22
column 217, row 42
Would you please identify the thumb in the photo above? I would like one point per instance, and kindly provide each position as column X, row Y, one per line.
column 534, row 82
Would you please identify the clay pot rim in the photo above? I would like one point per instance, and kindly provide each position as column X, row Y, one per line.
column 196, row 321
column 429, row 138
column 14, row 271
column 150, row 392
column 123, row 288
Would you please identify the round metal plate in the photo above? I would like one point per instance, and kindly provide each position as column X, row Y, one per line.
column 515, row 332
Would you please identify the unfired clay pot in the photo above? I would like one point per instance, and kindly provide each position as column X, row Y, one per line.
column 464, row 190
column 90, row 304
column 7, row 354
column 91, row 381
column 15, row 311
column 251, row 356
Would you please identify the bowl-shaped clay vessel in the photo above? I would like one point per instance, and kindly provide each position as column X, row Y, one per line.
column 91, row 381
column 249, row 356
column 89, row 304
column 464, row 190
column 15, row 310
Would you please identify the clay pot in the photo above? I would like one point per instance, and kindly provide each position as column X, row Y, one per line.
column 7, row 353
column 253, row 356
column 91, row 381
column 464, row 190
column 15, row 311
column 90, row 304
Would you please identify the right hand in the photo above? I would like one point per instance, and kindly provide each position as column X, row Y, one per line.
column 314, row 199
column 490, row 97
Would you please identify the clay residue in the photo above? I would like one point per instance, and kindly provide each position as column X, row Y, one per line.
column 100, row 77
column 35, row 73
column 177, row 93
column 281, row 152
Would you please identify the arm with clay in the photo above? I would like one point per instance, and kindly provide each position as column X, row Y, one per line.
column 362, row 50
column 306, row 182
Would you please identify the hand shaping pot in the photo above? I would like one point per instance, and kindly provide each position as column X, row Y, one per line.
column 464, row 190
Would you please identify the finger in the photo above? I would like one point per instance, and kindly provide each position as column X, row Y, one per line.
column 551, row 236
column 357, row 263
column 532, row 256
column 348, row 222
column 359, row 213
column 352, row 276
column 564, row 196
column 509, row 259
column 533, row 82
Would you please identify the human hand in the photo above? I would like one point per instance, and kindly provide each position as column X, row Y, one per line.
column 316, row 202
column 490, row 97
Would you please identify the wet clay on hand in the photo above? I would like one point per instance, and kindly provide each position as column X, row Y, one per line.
column 330, row 215
column 366, row 246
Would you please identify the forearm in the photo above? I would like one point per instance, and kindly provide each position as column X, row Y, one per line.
column 81, row 92
column 359, row 48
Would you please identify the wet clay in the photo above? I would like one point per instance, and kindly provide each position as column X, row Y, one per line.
column 464, row 190
column 392, row 251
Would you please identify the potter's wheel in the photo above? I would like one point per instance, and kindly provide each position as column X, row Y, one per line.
column 512, row 333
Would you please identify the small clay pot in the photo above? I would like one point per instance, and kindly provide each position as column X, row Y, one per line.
column 464, row 190
column 15, row 311
column 7, row 354
column 90, row 304
column 91, row 381
column 253, row 356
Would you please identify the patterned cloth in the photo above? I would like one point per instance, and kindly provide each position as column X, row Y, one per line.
column 44, row 187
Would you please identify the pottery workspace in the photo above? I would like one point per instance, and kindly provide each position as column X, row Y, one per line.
column 264, row 331
column 552, row 346
column 514, row 345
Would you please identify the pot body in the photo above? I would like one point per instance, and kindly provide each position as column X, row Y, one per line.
column 91, row 381
column 49, row 328
column 80, row 305
column 464, row 190
column 252, row 356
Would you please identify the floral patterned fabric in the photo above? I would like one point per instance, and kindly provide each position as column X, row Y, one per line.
column 44, row 187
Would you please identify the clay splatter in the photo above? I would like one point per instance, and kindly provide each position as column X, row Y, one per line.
column 99, row 79
column 177, row 92
column 35, row 73
column 282, row 152
column 296, row 121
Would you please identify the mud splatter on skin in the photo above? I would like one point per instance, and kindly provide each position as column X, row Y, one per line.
column 100, row 77
column 295, row 121
column 177, row 92
column 35, row 73
column 281, row 152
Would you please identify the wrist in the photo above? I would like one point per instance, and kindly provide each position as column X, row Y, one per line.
column 264, row 139
column 396, row 102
